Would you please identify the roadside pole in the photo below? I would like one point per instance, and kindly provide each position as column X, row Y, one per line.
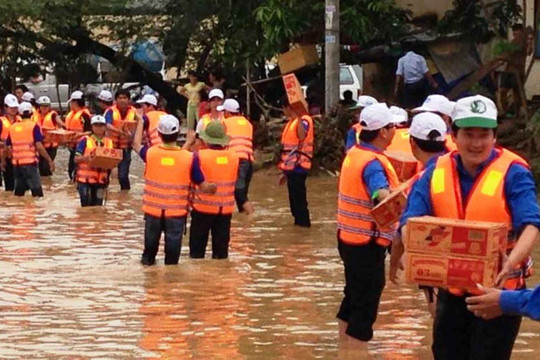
column 332, row 54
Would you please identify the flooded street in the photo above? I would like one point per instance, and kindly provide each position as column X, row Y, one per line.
column 71, row 286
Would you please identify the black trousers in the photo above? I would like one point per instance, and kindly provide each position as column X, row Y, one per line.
column 296, row 184
column 414, row 94
column 71, row 164
column 364, row 284
column 7, row 175
column 27, row 178
column 44, row 169
column 173, row 227
column 91, row 194
column 241, row 188
column 459, row 335
column 201, row 226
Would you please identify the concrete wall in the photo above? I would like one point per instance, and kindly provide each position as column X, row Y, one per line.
column 421, row 7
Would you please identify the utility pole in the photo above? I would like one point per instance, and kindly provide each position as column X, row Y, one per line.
column 331, row 46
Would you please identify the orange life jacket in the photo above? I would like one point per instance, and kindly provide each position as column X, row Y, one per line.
column 355, row 223
column 295, row 152
column 46, row 123
column 75, row 121
column 6, row 124
column 450, row 144
column 36, row 116
column 240, row 131
column 207, row 119
column 121, row 142
column 23, row 148
column 167, row 180
column 400, row 142
column 486, row 202
column 153, row 122
column 90, row 175
column 219, row 167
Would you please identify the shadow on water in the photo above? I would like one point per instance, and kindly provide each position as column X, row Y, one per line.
column 71, row 285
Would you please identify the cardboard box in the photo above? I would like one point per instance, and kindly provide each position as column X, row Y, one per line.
column 388, row 211
column 448, row 271
column 106, row 158
column 404, row 163
column 60, row 136
column 295, row 94
column 129, row 125
column 298, row 58
column 473, row 239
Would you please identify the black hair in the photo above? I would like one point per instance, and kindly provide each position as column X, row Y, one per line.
column 79, row 102
column 369, row 135
column 455, row 130
column 193, row 73
column 517, row 27
column 430, row 146
column 217, row 73
column 203, row 95
column 347, row 94
column 106, row 102
column 168, row 138
column 124, row 92
column 22, row 87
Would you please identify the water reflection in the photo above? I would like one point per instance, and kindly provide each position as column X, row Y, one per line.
column 71, row 286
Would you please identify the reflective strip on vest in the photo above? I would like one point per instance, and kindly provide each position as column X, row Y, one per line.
column 295, row 152
column 22, row 143
column 90, row 175
column 121, row 142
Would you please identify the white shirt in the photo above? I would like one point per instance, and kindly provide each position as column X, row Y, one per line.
column 412, row 67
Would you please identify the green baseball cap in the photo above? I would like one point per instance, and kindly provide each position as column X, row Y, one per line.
column 475, row 111
column 215, row 134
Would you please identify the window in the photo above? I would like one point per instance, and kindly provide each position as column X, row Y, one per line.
column 345, row 76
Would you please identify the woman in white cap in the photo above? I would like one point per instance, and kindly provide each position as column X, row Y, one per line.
column 92, row 182
column 48, row 120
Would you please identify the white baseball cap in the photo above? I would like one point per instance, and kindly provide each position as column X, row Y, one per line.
column 105, row 95
column 98, row 119
column 11, row 101
column 76, row 95
column 44, row 100
column 25, row 107
column 148, row 99
column 27, row 96
column 436, row 103
column 475, row 111
column 363, row 101
column 216, row 93
column 375, row 117
column 400, row 115
column 229, row 105
column 168, row 124
column 428, row 126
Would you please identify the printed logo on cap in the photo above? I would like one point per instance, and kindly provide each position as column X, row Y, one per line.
column 478, row 107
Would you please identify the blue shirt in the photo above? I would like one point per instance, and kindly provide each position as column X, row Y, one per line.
column 38, row 136
column 521, row 302
column 519, row 189
column 374, row 176
column 197, row 176
column 351, row 139
column 108, row 116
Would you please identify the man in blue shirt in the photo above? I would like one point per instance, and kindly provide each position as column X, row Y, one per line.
column 457, row 333
column 354, row 131
column 366, row 178
column 496, row 302
column 427, row 139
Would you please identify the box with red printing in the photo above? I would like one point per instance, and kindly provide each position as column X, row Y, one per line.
column 295, row 95
column 128, row 125
column 104, row 158
column 455, row 237
column 59, row 136
column 388, row 211
column 450, row 272
column 405, row 164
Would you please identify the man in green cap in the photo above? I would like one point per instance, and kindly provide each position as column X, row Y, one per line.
column 214, row 212
column 479, row 182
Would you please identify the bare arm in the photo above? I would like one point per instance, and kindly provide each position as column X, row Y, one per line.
column 398, row 249
column 301, row 132
column 137, row 141
column 399, row 79
column 41, row 149
column 521, row 251
column 208, row 188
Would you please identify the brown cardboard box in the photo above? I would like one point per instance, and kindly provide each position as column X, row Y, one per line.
column 473, row 239
column 456, row 272
column 106, row 158
column 60, row 136
column 404, row 163
column 129, row 126
column 388, row 211
column 295, row 94
column 298, row 58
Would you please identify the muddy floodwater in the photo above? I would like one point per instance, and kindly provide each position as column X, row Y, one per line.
column 71, row 286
